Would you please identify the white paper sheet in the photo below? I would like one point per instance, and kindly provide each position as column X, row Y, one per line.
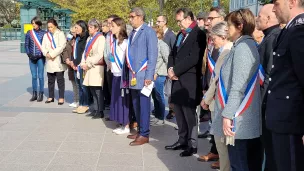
column 147, row 90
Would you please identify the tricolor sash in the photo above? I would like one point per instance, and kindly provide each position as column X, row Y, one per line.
column 37, row 41
column 211, row 64
column 116, row 57
column 51, row 39
column 247, row 100
column 261, row 75
column 129, row 61
column 75, row 48
column 90, row 44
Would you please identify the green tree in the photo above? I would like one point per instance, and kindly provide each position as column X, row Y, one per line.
column 9, row 10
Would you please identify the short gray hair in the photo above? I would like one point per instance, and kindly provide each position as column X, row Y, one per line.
column 220, row 29
column 219, row 10
column 94, row 22
column 139, row 12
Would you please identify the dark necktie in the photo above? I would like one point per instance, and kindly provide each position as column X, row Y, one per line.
column 132, row 35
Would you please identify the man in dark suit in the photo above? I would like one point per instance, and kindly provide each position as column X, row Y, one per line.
column 185, row 63
column 285, row 96
column 268, row 23
column 169, row 38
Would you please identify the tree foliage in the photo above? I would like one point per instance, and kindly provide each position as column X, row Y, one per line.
column 9, row 10
column 100, row 9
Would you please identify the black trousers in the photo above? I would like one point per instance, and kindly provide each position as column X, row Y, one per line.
column 186, row 120
column 288, row 152
column 98, row 98
column 242, row 157
column 107, row 88
column 51, row 84
column 266, row 140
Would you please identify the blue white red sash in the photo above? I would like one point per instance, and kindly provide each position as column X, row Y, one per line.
column 75, row 48
column 261, row 75
column 211, row 64
column 247, row 100
column 51, row 39
column 90, row 44
column 37, row 41
column 116, row 57
column 144, row 63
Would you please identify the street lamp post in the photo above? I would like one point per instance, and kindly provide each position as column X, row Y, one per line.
column 216, row 3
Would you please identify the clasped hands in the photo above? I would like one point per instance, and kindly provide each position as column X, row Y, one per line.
column 171, row 74
column 49, row 57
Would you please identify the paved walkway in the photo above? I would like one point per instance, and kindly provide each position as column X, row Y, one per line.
column 39, row 137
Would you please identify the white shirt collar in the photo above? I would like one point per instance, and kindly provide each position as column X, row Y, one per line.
column 137, row 29
column 165, row 31
column 287, row 25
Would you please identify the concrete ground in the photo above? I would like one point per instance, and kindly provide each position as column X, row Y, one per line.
column 39, row 137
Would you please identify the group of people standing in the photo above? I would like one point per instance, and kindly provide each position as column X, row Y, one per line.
column 253, row 90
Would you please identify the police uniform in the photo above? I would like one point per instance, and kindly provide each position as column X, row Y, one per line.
column 285, row 97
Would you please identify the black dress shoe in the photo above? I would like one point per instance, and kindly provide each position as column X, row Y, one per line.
column 176, row 146
column 40, row 97
column 92, row 114
column 188, row 152
column 98, row 115
column 34, row 96
column 170, row 115
column 204, row 135
column 49, row 101
column 60, row 103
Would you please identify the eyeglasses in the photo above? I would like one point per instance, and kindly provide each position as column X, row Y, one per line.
column 132, row 16
column 179, row 21
column 159, row 21
column 212, row 18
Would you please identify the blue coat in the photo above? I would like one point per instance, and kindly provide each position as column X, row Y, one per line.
column 144, row 45
column 30, row 46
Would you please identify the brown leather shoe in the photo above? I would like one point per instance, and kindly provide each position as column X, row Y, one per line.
column 208, row 157
column 133, row 137
column 133, row 125
column 139, row 141
column 215, row 165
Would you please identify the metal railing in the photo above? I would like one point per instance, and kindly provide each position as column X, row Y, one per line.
column 10, row 34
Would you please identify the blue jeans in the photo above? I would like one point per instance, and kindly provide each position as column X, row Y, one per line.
column 37, row 70
column 159, row 97
column 83, row 90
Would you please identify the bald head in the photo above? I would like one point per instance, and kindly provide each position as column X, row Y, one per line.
column 266, row 18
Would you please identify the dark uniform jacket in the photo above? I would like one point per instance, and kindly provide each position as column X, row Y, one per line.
column 186, row 61
column 266, row 54
column 285, row 99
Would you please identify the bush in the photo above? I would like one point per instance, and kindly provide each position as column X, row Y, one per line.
column 7, row 26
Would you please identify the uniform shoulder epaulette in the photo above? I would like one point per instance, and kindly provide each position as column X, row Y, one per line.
column 299, row 21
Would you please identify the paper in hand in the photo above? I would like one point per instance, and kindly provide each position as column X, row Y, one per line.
column 147, row 90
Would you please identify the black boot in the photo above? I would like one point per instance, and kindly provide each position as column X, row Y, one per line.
column 40, row 97
column 34, row 97
column 98, row 115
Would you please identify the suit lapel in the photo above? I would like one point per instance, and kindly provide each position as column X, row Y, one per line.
column 138, row 33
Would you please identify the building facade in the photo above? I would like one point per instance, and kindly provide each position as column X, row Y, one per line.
column 253, row 5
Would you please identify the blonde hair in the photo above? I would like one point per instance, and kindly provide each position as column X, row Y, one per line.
column 159, row 32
